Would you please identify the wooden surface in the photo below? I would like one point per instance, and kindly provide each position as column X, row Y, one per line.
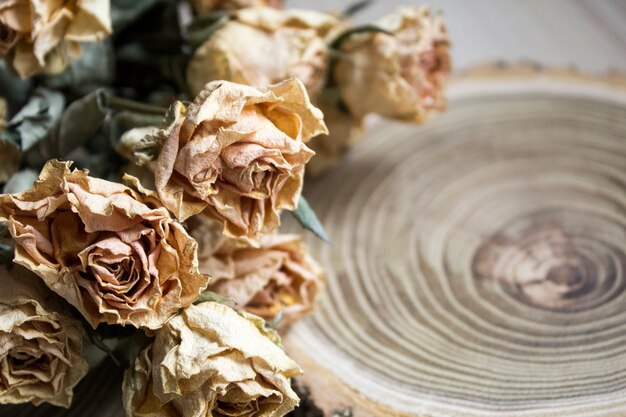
column 478, row 262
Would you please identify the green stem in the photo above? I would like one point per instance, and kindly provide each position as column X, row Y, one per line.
column 110, row 102
column 359, row 29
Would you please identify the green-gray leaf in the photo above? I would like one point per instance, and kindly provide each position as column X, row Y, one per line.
column 204, row 26
column 211, row 296
column 36, row 120
column 93, row 69
column 307, row 218
column 80, row 121
column 13, row 89
column 21, row 181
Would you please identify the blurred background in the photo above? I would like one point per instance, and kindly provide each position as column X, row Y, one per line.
column 587, row 34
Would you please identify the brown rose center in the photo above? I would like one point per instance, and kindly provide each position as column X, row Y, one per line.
column 117, row 269
column 236, row 403
column 25, row 362
column 8, row 38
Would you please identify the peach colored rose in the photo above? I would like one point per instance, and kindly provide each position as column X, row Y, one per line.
column 400, row 74
column 237, row 153
column 203, row 7
column 112, row 252
column 278, row 275
column 211, row 361
column 41, row 347
column 263, row 46
column 41, row 35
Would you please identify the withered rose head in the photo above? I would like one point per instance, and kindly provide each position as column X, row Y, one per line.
column 41, row 35
column 238, row 154
column 399, row 74
column 203, row 7
column 40, row 345
column 211, row 361
column 277, row 276
column 263, row 46
column 112, row 252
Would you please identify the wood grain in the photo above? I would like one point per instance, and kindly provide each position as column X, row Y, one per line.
column 478, row 262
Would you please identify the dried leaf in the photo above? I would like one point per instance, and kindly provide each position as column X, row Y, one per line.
column 92, row 70
column 20, row 181
column 36, row 120
column 307, row 218
column 80, row 121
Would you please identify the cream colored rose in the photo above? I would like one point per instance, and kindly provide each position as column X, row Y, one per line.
column 41, row 35
column 41, row 347
column 399, row 75
column 113, row 253
column 203, row 7
column 277, row 276
column 211, row 361
column 9, row 153
column 263, row 46
column 238, row 154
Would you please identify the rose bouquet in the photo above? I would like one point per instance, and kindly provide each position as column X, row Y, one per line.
column 148, row 152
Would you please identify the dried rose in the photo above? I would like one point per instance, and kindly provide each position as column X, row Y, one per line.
column 41, row 35
column 263, row 46
column 113, row 253
column 238, row 154
column 211, row 361
column 278, row 275
column 9, row 152
column 400, row 74
column 41, row 353
column 203, row 7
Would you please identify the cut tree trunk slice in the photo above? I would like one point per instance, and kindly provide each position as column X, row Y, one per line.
column 478, row 262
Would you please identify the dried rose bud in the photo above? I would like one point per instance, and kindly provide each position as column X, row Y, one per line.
column 237, row 153
column 400, row 74
column 211, row 361
column 39, row 36
column 203, row 7
column 263, row 46
column 112, row 252
column 41, row 354
column 277, row 276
